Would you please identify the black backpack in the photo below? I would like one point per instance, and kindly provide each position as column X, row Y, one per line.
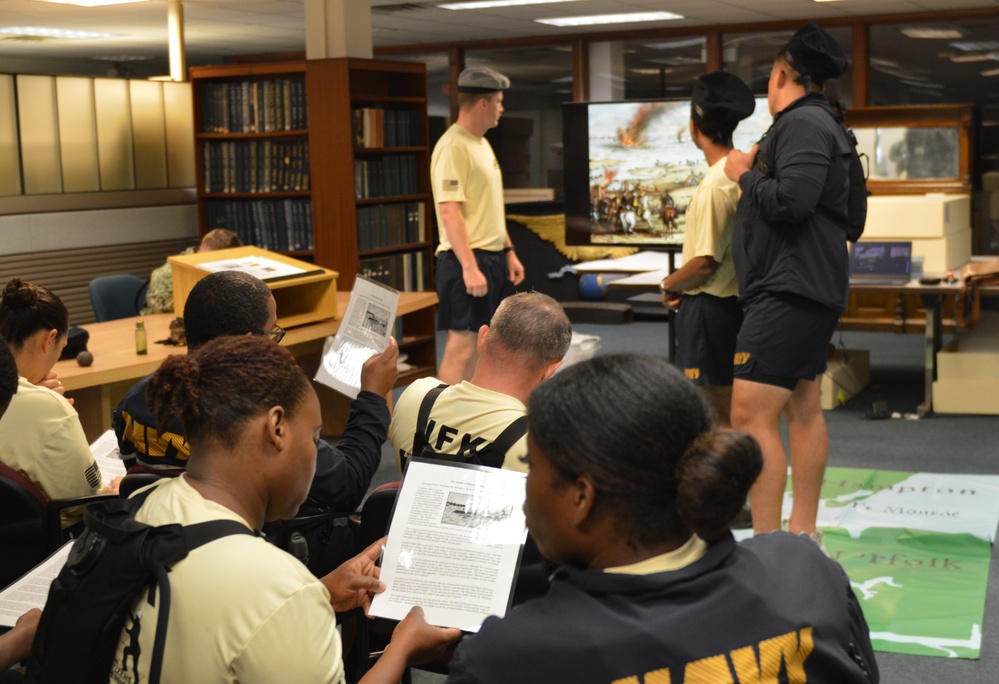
column 114, row 559
column 491, row 455
column 856, row 200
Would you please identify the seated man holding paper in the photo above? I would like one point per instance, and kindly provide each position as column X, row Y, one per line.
column 482, row 420
column 234, row 303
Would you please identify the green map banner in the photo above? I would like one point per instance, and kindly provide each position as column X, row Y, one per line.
column 916, row 547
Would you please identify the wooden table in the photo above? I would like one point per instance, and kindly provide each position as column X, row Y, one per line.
column 97, row 389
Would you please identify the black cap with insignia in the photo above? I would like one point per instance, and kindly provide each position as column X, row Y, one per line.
column 481, row 81
column 722, row 98
column 813, row 52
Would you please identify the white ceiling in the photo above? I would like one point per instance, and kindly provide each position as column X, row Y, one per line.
column 215, row 29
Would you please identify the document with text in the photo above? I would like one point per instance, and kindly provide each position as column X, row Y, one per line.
column 108, row 457
column 454, row 544
column 32, row 590
column 365, row 330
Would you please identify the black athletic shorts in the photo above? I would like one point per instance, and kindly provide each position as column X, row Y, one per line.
column 706, row 329
column 458, row 310
column 784, row 339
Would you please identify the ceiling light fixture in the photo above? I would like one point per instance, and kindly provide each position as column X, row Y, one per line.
column 931, row 33
column 52, row 33
column 598, row 19
column 990, row 72
column 92, row 3
column 488, row 4
column 984, row 57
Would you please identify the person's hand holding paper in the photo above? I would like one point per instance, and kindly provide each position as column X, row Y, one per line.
column 379, row 372
column 366, row 330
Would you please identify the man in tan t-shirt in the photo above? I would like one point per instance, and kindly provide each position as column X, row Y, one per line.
column 522, row 346
column 475, row 255
column 704, row 290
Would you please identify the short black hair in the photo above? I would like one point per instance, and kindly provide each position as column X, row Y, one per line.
column 225, row 303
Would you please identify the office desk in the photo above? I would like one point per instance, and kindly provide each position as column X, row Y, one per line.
column 97, row 389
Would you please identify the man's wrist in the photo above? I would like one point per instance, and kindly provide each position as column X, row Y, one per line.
column 663, row 290
column 508, row 249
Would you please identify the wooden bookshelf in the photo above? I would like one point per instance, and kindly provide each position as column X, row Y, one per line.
column 339, row 175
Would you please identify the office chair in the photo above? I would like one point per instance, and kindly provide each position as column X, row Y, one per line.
column 30, row 523
column 117, row 296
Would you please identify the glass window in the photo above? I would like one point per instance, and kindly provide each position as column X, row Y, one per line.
column 751, row 55
column 646, row 69
column 528, row 140
column 934, row 63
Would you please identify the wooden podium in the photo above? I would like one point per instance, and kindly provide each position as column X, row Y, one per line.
column 302, row 299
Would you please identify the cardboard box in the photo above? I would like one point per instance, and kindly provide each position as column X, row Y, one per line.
column 990, row 181
column 975, row 398
column 303, row 299
column 952, row 251
column 917, row 216
column 847, row 373
column 968, row 370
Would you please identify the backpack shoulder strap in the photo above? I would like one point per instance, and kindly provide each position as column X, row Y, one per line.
column 495, row 454
column 193, row 536
column 423, row 417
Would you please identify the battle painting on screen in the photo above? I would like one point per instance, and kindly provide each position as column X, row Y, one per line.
column 643, row 170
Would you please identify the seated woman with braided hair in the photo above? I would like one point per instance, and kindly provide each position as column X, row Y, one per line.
column 631, row 489
column 242, row 609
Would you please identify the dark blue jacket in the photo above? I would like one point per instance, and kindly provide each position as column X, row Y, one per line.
column 790, row 225
column 774, row 603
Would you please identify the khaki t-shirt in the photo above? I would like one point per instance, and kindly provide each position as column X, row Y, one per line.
column 42, row 438
column 463, row 168
column 710, row 222
column 241, row 609
column 465, row 416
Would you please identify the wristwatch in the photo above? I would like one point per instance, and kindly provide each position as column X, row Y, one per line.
column 508, row 249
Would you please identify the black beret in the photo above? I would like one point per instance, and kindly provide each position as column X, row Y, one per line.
column 812, row 51
column 723, row 98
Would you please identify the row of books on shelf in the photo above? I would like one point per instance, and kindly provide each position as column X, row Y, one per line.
column 406, row 272
column 259, row 106
column 256, row 165
column 277, row 225
column 377, row 127
column 393, row 175
column 386, row 225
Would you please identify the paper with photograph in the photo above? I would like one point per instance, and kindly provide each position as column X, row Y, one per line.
column 257, row 266
column 365, row 330
column 454, row 544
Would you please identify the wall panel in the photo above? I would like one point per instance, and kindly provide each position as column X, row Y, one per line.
column 77, row 134
column 39, row 129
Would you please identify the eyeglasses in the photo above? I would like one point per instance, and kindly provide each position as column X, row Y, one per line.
column 276, row 333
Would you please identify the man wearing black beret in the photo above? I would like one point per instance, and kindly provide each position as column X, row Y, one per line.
column 704, row 291
column 790, row 256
